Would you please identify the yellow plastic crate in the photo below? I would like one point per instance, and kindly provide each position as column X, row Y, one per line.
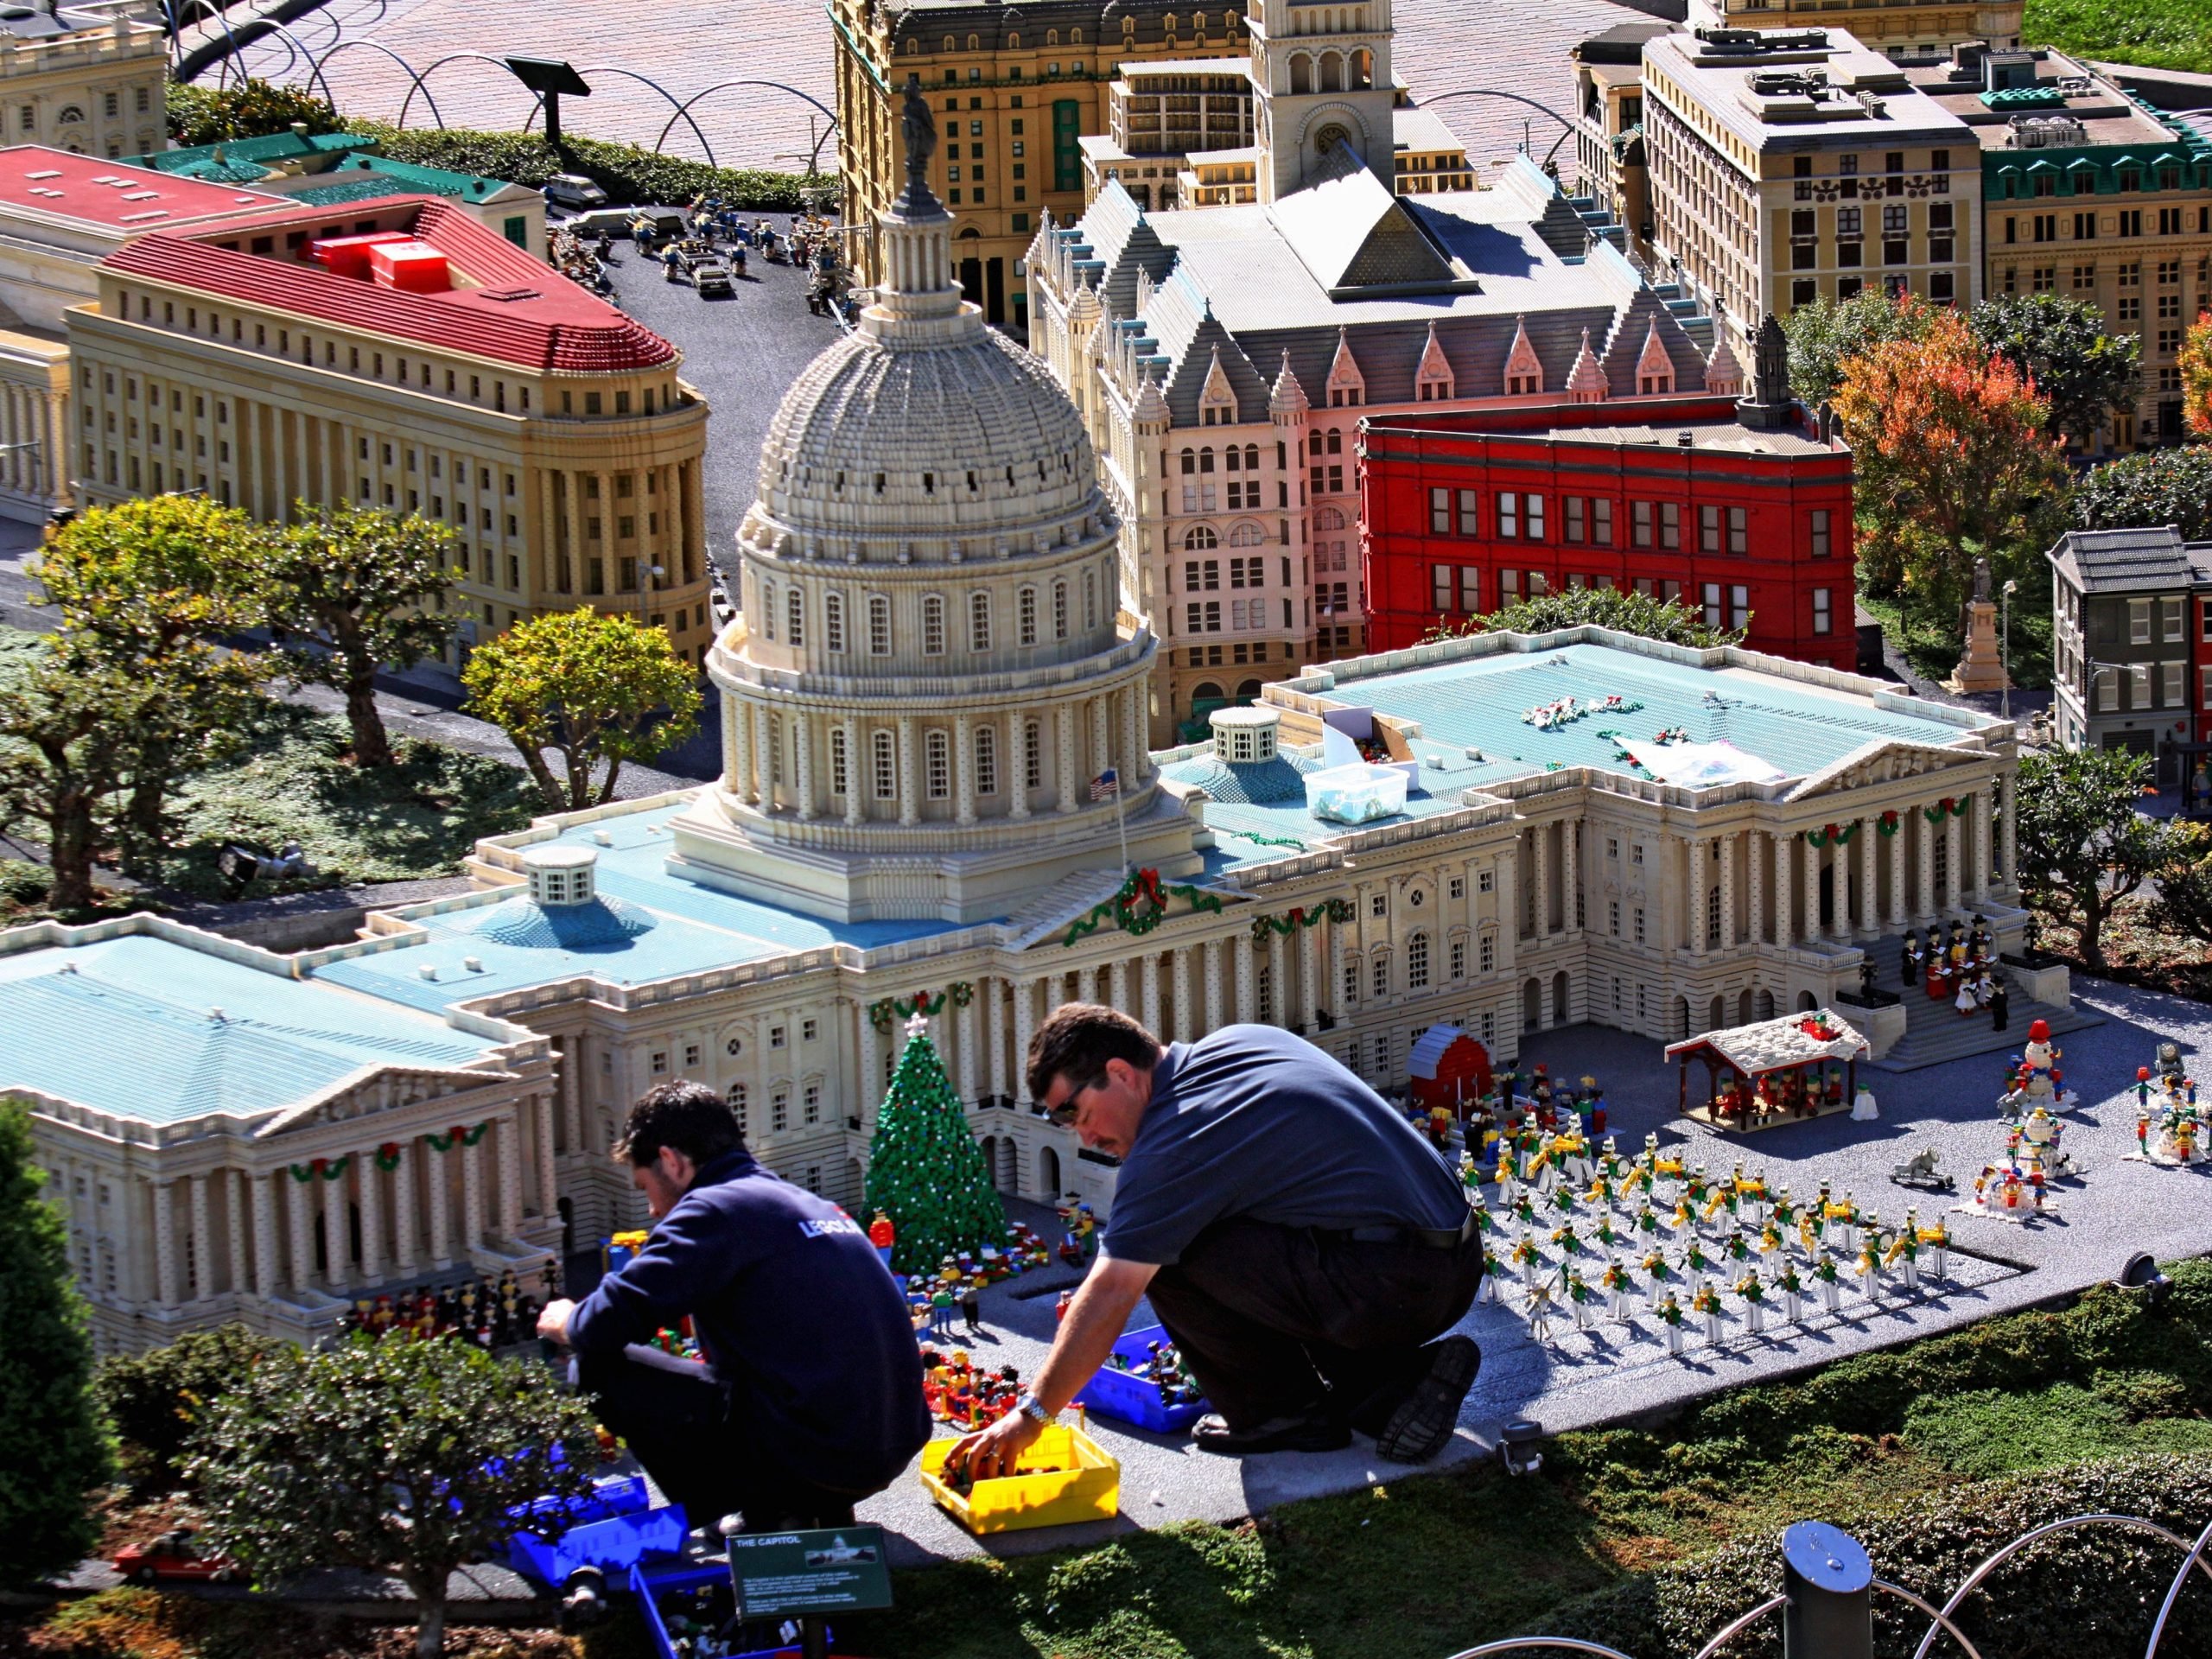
column 1087, row 1486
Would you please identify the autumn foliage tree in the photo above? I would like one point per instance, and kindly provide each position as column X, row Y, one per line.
column 2195, row 364
column 1955, row 462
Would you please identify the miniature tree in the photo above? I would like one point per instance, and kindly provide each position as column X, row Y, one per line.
column 403, row 1458
column 925, row 1170
column 57, row 1452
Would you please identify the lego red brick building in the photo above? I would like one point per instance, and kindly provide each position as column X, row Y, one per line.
column 1729, row 506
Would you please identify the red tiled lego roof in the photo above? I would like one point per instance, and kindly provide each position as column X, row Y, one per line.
column 98, row 192
column 548, row 323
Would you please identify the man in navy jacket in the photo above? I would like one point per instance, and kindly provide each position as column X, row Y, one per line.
column 811, row 1396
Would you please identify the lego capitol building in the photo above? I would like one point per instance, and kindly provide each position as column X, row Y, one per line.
column 933, row 765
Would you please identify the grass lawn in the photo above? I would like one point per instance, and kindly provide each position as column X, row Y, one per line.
column 2157, row 33
column 1932, row 647
column 289, row 780
column 1647, row 1538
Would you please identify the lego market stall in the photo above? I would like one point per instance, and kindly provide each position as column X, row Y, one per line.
column 1776, row 1071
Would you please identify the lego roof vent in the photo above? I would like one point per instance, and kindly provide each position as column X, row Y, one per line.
column 1245, row 736
column 506, row 293
column 562, row 874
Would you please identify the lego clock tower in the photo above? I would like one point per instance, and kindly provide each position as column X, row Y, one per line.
column 1323, row 74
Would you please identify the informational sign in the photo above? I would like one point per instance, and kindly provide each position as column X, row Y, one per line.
column 829, row 1570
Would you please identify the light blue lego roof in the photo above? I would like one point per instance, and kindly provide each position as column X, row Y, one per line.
column 1476, row 704
column 127, row 1026
column 651, row 926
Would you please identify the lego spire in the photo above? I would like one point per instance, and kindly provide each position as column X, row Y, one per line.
column 1585, row 380
column 1288, row 396
column 1524, row 370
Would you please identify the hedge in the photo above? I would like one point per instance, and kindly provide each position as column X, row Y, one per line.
column 2090, row 1593
column 626, row 172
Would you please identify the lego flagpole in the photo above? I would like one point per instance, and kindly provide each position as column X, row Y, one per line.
column 1121, row 825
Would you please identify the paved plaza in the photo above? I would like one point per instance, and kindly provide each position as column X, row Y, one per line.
column 689, row 47
column 1622, row 1369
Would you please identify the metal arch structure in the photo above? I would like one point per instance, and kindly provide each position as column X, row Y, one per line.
column 684, row 113
column 2006, row 1553
column 421, row 85
column 283, row 31
column 1742, row 1623
column 230, row 37
column 1567, row 126
column 1534, row 1644
column 1942, row 1619
column 2173, row 1591
column 617, row 69
column 316, row 73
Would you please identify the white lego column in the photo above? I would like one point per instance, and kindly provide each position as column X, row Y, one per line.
column 1279, row 1004
column 472, row 1197
column 1728, row 891
column 1216, row 988
column 165, row 1274
column 1785, row 888
column 1870, row 912
column 295, row 1204
column 235, row 1193
column 1024, row 1027
column 871, row 1066
column 1149, row 981
column 406, row 1224
column 203, row 1242
column 1247, row 977
column 508, row 1133
column 964, row 1022
column 1187, row 1011
column 364, row 1167
column 435, row 1179
column 1897, row 868
column 262, row 1198
column 549, row 1179
column 1695, row 864
column 337, row 1233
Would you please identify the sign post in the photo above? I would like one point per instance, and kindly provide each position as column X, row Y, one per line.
column 808, row 1573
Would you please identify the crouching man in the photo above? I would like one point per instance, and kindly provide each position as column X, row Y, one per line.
column 1306, row 1249
column 812, row 1396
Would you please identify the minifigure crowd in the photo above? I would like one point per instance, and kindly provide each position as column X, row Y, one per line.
column 491, row 1315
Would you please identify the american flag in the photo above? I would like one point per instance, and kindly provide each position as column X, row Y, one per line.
column 1106, row 785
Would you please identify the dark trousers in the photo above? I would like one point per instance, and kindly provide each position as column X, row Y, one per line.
column 681, row 1422
column 1282, row 1321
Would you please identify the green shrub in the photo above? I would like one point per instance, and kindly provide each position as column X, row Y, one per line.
column 202, row 112
column 154, row 1399
column 628, row 173
column 2091, row 1594
column 22, row 882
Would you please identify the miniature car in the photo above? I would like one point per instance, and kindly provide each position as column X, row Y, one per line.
column 574, row 190
column 711, row 276
column 174, row 1555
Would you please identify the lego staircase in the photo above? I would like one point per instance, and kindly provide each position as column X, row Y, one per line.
column 1935, row 1032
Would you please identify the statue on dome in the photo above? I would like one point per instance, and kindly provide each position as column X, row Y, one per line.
column 918, row 127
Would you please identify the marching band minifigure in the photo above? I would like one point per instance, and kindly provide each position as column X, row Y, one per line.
column 1793, row 1292
column 1577, row 1294
column 1618, row 1285
column 1707, row 1302
column 1670, row 1314
column 1824, row 1274
column 1538, row 1298
column 1659, row 1271
column 1752, row 1289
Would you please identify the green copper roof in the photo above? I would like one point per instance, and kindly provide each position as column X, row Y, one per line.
column 267, row 151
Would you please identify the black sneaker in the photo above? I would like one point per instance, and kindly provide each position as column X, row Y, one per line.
column 1311, row 1433
column 1424, row 1419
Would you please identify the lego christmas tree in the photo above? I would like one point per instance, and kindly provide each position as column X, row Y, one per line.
column 925, row 1170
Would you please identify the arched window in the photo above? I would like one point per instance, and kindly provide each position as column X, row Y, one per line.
column 1379, row 976
column 1026, row 614
column 1075, row 37
column 1060, row 610
column 1301, row 73
column 1033, row 755
column 1249, row 691
column 1052, row 37
column 1251, row 457
column 886, row 767
column 937, row 764
column 833, row 621
column 1205, row 460
column 737, row 1101
column 932, row 624
column 1205, row 691
column 797, row 617
column 70, row 113
column 1013, row 42
column 1328, row 519
column 1189, row 460
column 1199, row 537
column 1417, row 962
column 1248, row 534
column 1333, row 73
column 979, row 622
column 974, row 42
column 839, row 762
column 986, row 760
column 879, row 626
column 767, row 610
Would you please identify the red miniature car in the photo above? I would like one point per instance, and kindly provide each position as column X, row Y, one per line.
column 174, row 1555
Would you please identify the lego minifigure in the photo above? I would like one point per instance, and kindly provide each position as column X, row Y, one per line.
column 1670, row 1315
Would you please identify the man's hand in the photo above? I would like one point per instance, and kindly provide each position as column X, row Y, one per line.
column 991, row 1452
column 553, row 1319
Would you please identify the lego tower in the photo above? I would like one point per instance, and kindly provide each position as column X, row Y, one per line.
column 1323, row 74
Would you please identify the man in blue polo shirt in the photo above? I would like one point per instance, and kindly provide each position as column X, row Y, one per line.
column 1303, row 1245
column 811, row 1396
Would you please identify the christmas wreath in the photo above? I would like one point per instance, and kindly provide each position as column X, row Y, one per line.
column 1889, row 823
column 1141, row 906
column 1822, row 836
column 387, row 1156
column 458, row 1137
column 1949, row 807
column 328, row 1168
column 1334, row 910
column 960, row 993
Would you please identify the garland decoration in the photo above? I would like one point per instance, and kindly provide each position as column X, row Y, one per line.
column 1672, row 735
column 1949, row 807
column 1334, row 910
column 1550, row 716
column 1888, row 824
column 1841, row 837
column 387, row 1156
column 1141, row 906
column 960, row 993
column 1268, row 840
column 328, row 1168
column 458, row 1137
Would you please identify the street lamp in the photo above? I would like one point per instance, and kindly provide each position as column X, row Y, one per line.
column 2004, row 645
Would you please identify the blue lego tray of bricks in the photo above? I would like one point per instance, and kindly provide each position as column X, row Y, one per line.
column 611, row 1496
column 613, row 1545
column 1129, row 1396
column 648, row 1587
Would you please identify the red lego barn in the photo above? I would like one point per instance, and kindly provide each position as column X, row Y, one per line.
column 1449, row 1069
column 1748, row 523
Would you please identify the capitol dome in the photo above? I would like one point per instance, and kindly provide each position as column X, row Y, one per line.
column 934, row 704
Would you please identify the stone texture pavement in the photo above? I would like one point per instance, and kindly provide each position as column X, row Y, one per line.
column 691, row 46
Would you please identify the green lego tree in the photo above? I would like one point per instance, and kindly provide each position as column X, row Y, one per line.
column 925, row 1170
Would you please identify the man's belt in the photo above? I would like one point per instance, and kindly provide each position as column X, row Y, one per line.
column 1434, row 1238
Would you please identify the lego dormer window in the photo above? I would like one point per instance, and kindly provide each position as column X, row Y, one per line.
column 561, row 876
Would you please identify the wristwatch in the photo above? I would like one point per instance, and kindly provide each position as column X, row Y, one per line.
column 1033, row 1409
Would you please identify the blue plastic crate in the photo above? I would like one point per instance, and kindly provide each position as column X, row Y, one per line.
column 1129, row 1397
column 613, row 1545
column 644, row 1587
column 610, row 1495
